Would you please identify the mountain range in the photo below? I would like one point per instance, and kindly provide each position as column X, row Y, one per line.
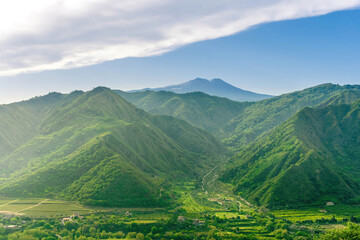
column 97, row 148
column 114, row 148
column 262, row 116
column 210, row 113
column 214, row 87
column 312, row 158
column 236, row 123
column 264, row 127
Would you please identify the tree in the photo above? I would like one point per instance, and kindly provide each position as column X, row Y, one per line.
column 51, row 238
column 48, row 226
column 92, row 232
column 71, row 225
column 351, row 232
column 140, row 236
column 154, row 230
column 131, row 235
column 37, row 233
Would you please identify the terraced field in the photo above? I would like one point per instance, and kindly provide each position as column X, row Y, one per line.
column 315, row 213
column 231, row 215
column 192, row 206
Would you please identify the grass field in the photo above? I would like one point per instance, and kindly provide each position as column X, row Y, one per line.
column 57, row 207
column 226, row 218
column 229, row 215
column 313, row 213
column 192, row 206
column 40, row 207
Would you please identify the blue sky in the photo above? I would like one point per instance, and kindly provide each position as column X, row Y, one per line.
column 272, row 58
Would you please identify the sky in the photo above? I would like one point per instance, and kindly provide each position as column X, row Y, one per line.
column 269, row 47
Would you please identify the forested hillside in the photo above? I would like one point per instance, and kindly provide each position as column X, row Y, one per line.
column 102, row 150
column 269, row 113
column 310, row 159
column 207, row 112
column 237, row 124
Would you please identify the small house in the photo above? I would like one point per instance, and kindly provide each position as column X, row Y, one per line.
column 181, row 219
column 11, row 227
column 76, row 215
column 197, row 222
column 64, row 220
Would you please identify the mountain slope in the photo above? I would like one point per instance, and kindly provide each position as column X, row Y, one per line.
column 215, row 87
column 102, row 150
column 310, row 159
column 238, row 124
column 19, row 121
column 207, row 112
column 269, row 113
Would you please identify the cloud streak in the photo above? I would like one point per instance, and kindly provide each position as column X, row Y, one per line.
column 62, row 34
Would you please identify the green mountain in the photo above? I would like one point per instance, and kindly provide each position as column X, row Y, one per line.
column 312, row 158
column 264, row 115
column 100, row 149
column 238, row 124
column 19, row 121
column 207, row 112
column 344, row 97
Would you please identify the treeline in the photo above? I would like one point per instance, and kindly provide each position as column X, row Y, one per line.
column 106, row 226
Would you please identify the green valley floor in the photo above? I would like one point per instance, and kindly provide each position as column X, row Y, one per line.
column 203, row 210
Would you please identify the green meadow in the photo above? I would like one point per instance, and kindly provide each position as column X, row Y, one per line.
column 48, row 208
column 40, row 207
column 224, row 216
column 340, row 212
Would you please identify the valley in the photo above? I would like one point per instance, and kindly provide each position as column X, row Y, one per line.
column 197, row 213
column 179, row 120
column 163, row 165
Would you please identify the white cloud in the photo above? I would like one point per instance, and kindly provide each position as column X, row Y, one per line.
column 42, row 35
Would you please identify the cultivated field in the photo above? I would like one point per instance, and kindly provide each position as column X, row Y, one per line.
column 40, row 207
column 316, row 213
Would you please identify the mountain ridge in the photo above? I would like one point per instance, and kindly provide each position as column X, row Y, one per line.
column 312, row 158
column 210, row 113
column 264, row 115
column 237, row 123
column 87, row 148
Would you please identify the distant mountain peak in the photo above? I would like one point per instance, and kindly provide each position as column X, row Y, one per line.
column 199, row 79
column 215, row 87
column 218, row 80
